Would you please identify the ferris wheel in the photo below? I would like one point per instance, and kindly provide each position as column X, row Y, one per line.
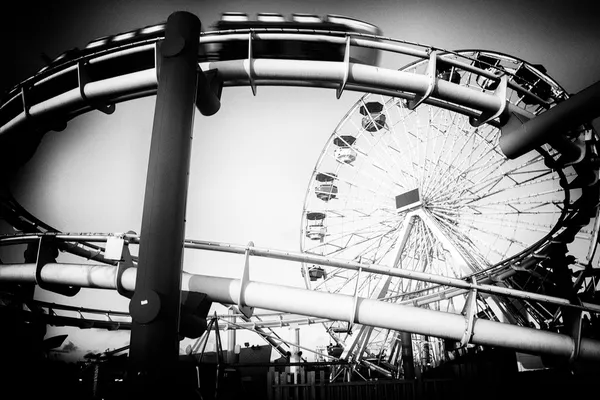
column 423, row 188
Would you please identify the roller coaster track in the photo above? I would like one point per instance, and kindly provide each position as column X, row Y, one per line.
column 49, row 99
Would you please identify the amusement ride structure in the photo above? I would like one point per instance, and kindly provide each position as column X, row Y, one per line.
column 454, row 205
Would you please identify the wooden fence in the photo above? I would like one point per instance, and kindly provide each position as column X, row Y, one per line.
column 311, row 385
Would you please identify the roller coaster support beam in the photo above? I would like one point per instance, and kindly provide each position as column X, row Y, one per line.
column 408, row 363
column 331, row 306
column 155, row 305
column 580, row 108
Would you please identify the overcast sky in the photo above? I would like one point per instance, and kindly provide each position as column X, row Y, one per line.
column 251, row 162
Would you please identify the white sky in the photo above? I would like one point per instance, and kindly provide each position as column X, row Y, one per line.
column 251, row 163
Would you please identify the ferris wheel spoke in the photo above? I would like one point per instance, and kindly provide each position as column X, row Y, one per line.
column 494, row 179
column 523, row 199
column 494, row 246
column 438, row 159
column 397, row 169
column 456, row 174
column 365, row 237
column 367, row 176
column 444, row 173
column 543, row 180
column 358, row 208
column 481, row 228
column 435, row 158
column 389, row 158
column 453, row 170
column 403, row 113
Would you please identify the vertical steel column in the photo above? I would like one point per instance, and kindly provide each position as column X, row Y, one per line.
column 155, row 305
column 407, row 355
column 231, row 337
column 295, row 358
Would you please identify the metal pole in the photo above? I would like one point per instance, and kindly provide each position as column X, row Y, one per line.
column 155, row 305
column 295, row 358
column 95, row 380
column 581, row 108
column 407, row 355
column 231, row 338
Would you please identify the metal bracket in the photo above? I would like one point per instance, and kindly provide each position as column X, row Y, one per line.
column 573, row 322
column 157, row 62
column 469, row 312
column 244, row 309
column 431, row 68
column 571, row 152
column 486, row 116
column 209, row 87
column 24, row 101
column 84, row 79
column 114, row 248
column 126, row 263
column 250, row 70
column 44, row 258
column 355, row 300
column 338, row 92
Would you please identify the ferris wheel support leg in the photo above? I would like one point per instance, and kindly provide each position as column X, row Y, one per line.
column 155, row 305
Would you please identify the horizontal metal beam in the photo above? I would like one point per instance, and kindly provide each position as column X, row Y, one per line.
column 124, row 321
column 326, row 305
column 382, row 270
column 370, row 268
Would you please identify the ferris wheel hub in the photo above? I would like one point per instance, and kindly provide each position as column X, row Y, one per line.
column 408, row 200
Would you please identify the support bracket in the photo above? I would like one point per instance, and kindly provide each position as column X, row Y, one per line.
column 25, row 103
column 573, row 322
column 209, row 87
column 125, row 263
column 84, row 79
column 486, row 116
column 354, row 300
column 157, row 60
column 244, row 309
column 431, row 74
column 250, row 70
column 338, row 92
column 469, row 312
column 114, row 248
column 44, row 256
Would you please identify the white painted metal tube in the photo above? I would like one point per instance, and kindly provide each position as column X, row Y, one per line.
column 359, row 74
column 394, row 316
column 121, row 86
column 462, row 286
column 325, row 305
column 383, row 270
column 145, row 82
